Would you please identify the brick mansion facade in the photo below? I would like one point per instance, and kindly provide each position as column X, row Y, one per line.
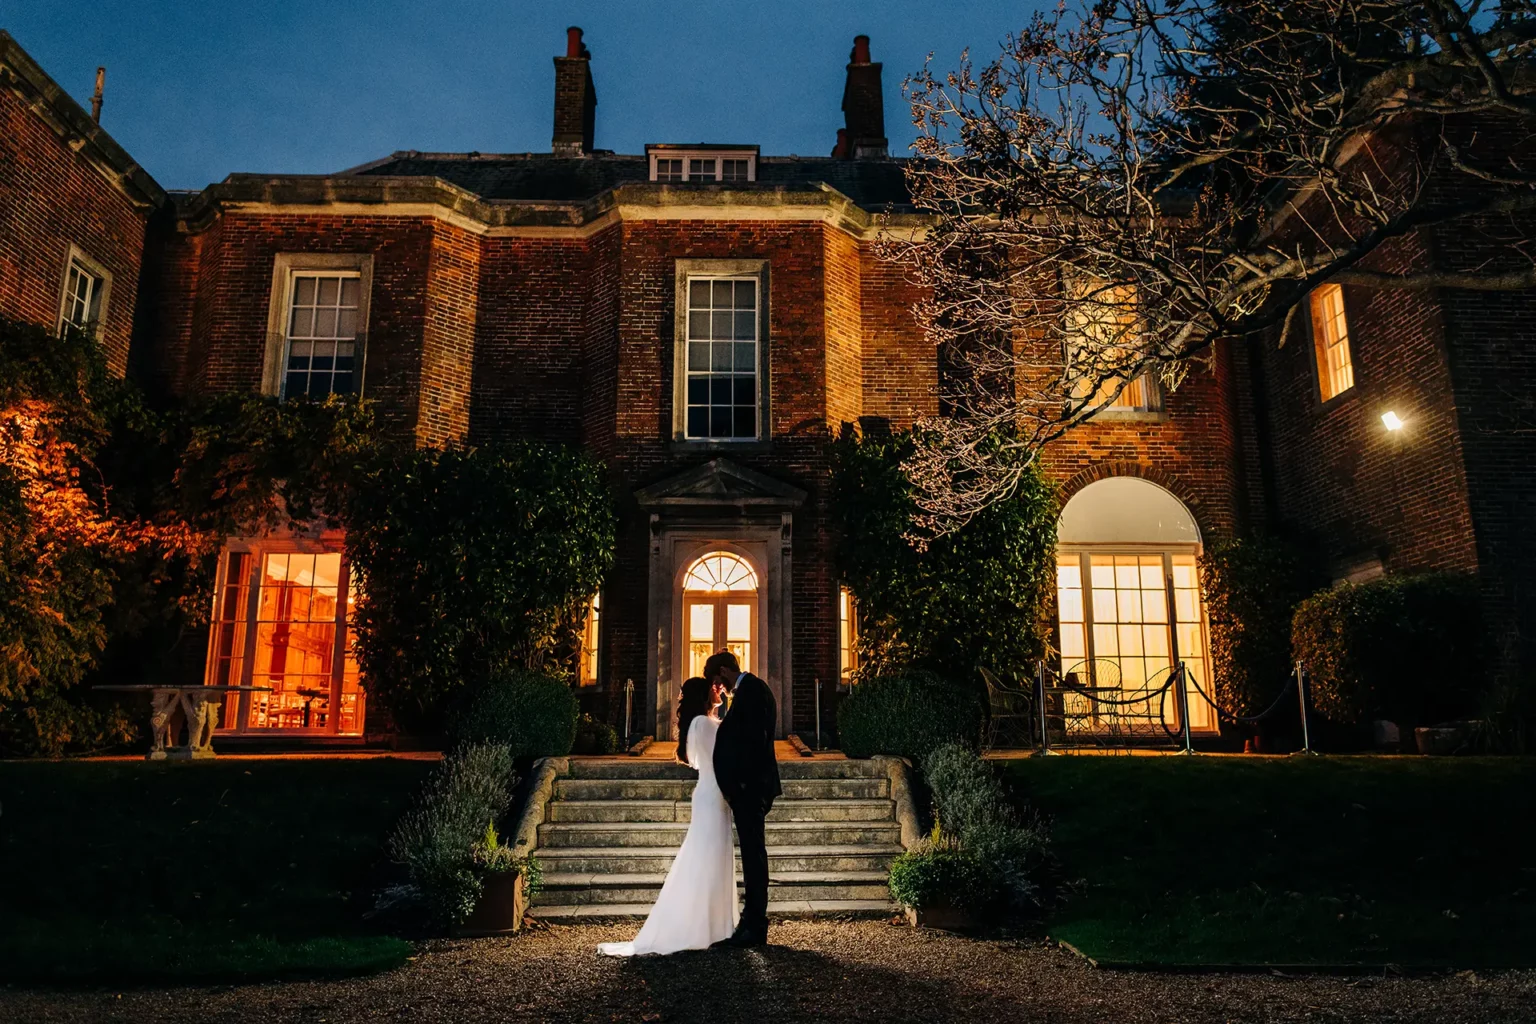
column 704, row 318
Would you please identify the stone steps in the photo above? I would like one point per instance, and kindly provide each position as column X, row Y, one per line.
column 670, row 833
column 656, row 860
column 660, row 811
column 613, row 826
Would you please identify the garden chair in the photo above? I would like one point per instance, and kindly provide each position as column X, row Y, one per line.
column 1011, row 714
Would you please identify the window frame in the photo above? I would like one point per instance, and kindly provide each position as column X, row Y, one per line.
column 286, row 267
column 1154, row 410
column 715, row 157
column 1319, row 358
column 101, row 296
column 684, row 271
column 248, row 624
column 1083, row 553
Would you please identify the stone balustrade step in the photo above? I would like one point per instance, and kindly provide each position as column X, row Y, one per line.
column 682, row 789
column 590, row 888
column 647, row 768
column 656, row 860
column 784, row 908
column 670, row 833
column 682, row 810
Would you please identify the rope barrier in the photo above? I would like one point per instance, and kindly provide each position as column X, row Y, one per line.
column 1245, row 719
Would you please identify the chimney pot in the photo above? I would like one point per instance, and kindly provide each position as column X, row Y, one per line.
column 863, row 107
column 575, row 99
column 101, row 85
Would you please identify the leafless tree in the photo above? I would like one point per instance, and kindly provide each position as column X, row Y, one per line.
column 1132, row 183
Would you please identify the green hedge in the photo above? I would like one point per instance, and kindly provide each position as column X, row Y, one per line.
column 909, row 714
column 532, row 713
column 1405, row 648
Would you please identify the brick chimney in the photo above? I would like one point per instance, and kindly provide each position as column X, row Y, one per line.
column 575, row 98
column 863, row 107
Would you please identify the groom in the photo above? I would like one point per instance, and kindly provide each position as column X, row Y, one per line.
column 748, row 774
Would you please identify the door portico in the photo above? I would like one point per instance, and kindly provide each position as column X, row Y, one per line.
column 714, row 528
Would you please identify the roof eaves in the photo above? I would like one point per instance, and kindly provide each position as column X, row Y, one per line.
column 25, row 77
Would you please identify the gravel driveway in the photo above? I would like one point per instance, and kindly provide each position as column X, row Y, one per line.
column 816, row 970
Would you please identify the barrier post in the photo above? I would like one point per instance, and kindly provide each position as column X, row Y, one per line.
column 817, row 681
column 1301, row 698
column 1184, row 707
column 1045, row 737
column 629, row 708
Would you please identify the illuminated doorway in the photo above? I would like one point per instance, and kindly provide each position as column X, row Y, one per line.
column 720, row 610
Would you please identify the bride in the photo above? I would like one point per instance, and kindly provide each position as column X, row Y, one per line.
column 697, row 905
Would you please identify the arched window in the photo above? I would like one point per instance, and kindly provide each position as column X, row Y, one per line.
column 1125, row 546
column 720, row 609
column 719, row 572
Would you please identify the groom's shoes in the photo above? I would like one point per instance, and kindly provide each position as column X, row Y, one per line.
column 743, row 937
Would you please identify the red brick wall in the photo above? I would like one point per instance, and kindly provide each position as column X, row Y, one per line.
column 235, row 284
column 448, row 335
column 50, row 197
column 844, row 329
column 900, row 367
column 1341, row 478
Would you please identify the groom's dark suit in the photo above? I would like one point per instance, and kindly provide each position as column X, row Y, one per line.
column 748, row 774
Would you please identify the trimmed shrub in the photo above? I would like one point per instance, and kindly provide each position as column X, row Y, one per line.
column 937, row 872
column 533, row 714
column 909, row 714
column 1404, row 648
column 436, row 840
column 594, row 737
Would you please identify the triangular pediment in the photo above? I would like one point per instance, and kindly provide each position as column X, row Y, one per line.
column 720, row 482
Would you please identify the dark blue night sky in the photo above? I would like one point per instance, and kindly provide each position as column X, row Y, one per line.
column 196, row 91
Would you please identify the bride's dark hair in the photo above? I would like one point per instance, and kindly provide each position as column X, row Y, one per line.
column 692, row 701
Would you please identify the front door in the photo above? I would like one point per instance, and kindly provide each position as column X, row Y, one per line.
column 720, row 611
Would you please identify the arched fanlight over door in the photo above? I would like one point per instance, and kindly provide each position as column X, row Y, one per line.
column 720, row 609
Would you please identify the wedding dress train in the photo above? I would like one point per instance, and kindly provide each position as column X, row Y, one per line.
column 697, row 905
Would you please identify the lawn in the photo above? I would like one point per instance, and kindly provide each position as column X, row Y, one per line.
column 1325, row 861
column 123, row 873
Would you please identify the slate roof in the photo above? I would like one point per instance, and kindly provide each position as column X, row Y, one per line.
column 875, row 185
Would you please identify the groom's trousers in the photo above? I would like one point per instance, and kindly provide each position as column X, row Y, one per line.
column 750, row 818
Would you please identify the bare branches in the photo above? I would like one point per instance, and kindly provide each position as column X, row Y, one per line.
column 1132, row 182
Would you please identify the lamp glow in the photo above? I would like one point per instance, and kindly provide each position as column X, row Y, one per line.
column 1391, row 420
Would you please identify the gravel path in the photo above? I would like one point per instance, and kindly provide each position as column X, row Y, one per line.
column 816, row 970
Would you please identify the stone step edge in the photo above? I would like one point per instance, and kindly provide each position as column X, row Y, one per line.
column 783, row 908
column 588, row 880
column 618, row 852
column 682, row 826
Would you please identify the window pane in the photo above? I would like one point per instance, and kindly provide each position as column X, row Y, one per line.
column 722, row 294
column 303, row 324
column 746, row 421
column 698, row 324
column 746, row 294
column 746, row 357
column 698, row 294
column 328, row 292
column 720, row 357
column 721, row 325
column 350, row 290
column 720, row 390
column 720, row 421
column 698, row 355
column 698, row 390
column 698, row 421
column 304, row 291
column 745, row 390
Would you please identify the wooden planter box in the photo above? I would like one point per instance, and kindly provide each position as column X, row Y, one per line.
column 503, row 902
column 944, row 917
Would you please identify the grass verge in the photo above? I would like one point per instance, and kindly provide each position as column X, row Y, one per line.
column 1421, row 862
column 137, row 873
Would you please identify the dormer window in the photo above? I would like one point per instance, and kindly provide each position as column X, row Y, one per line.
column 702, row 164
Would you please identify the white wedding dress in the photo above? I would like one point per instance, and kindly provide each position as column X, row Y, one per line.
column 697, row 905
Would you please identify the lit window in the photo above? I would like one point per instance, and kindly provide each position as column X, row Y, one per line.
column 589, row 635
column 722, row 330
column 1330, row 337
column 847, row 636
column 83, row 289
column 1115, row 632
column 719, row 609
column 322, row 334
column 733, row 170
column 1104, row 329
column 701, row 170
column 669, row 170
column 294, row 639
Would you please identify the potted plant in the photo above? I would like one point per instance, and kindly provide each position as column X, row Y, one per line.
column 941, row 885
column 508, row 883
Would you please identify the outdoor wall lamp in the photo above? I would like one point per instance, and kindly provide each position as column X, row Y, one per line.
column 1391, row 420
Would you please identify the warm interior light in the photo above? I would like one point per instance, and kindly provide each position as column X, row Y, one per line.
column 1391, row 420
